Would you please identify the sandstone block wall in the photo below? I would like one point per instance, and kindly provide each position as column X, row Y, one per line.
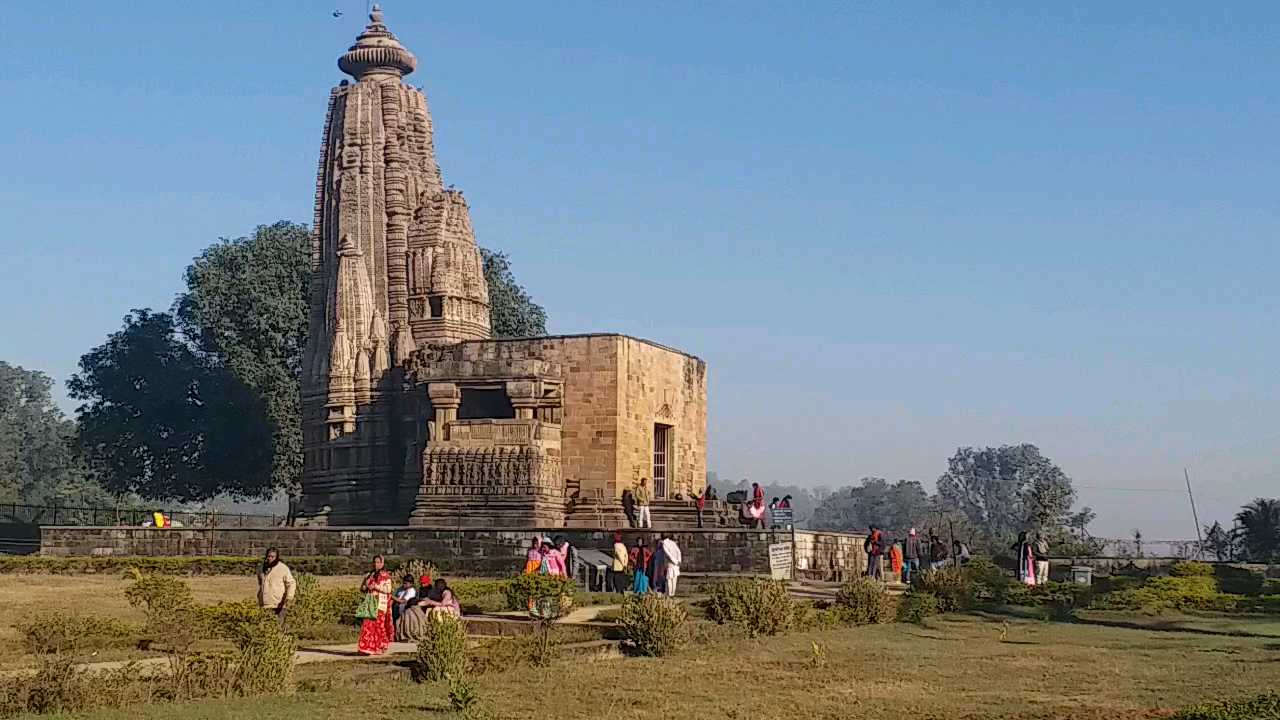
column 466, row 552
column 661, row 386
column 616, row 389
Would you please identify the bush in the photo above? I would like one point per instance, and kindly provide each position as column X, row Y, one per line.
column 1260, row 707
column 1191, row 569
column 655, row 625
column 863, row 601
column 759, row 606
column 442, row 649
column 988, row 581
column 55, row 632
column 266, row 659
column 1160, row 594
column 482, row 596
column 916, row 607
column 953, row 588
column 521, row 591
column 172, row 614
column 235, row 621
column 315, row 608
column 1239, row 580
column 416, row 568
column 59, row 685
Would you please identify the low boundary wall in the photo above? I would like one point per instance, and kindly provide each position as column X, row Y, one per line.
column 494, row 552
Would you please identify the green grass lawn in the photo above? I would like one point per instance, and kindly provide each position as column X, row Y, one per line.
column 954, row 667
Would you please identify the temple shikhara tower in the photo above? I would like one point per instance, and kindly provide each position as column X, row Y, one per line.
column 412, row 413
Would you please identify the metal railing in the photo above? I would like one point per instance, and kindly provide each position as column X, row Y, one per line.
column 88, row 516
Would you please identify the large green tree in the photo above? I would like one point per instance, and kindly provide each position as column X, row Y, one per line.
column 1259, row 523
column 159, row 419
column 38, row 461
column 512, row 312
column 874, row 501
column 245, row 310
column 1006, row 490
column 231, row 354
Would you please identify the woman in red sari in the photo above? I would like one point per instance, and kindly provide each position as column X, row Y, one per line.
column 376, row 634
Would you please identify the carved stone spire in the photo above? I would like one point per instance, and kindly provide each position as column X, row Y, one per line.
column 377, row 53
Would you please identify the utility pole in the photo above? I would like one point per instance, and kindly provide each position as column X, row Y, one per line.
column 1194, row 515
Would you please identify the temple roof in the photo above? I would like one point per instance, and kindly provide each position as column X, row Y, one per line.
column 377, row 52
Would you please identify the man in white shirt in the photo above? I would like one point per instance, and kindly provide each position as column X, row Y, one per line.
column 673, row 558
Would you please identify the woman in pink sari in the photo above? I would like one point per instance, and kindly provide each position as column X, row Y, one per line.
column 376, row 633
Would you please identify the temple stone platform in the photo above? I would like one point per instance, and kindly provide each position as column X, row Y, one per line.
column 494, row 552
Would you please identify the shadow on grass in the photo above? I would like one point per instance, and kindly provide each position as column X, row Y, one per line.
column 1166, row 626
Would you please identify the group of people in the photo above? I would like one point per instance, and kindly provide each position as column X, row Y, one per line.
column 1033, row 558
column 635, row 505
column 386, row 612
column 909, row 556
column 547, row 556
column 646, row 568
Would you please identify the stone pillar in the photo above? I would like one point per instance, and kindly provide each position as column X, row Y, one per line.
column 524, row 398
column 445, row 398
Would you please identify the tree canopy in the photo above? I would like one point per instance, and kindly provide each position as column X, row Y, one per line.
column 874, row 501
column 1259, row 523
column 204, row 400
column 245, row 310
column 512, row 312
column 160, row 420
column 1005, row 490
column 38, row 461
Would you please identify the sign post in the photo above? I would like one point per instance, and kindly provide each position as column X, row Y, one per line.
column 781, row 561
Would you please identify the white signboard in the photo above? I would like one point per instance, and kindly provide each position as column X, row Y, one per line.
column 781, row 559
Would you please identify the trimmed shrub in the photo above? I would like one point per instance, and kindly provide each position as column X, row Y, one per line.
column 55, row 632
column 761, row 607
column 1161, row 594
column 1239, row 580
column 521, row 591
column 1259, row 707
column 916, row 607
column 442, row 649
column 988, row 581
column 953, row 588
column 656, row 626
column 481, row 596
column 863, row 601
column 1191, row 569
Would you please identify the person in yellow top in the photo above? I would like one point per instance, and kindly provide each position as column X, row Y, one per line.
column 644, row 496
column 621, row 558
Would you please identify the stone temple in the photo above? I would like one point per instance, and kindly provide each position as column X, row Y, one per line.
column 412, row 413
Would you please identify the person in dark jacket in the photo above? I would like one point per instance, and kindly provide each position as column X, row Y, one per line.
column 629, row 507
column 938, row 552
column 910, row 556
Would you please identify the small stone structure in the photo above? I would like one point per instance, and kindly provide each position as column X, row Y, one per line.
column 412, row 414
column 476, row 552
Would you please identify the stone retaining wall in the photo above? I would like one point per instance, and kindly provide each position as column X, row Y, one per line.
column 493, row 552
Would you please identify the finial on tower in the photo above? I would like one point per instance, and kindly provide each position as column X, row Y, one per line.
column 377, row 53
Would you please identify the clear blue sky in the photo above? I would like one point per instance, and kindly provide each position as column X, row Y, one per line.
column 891, row 228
